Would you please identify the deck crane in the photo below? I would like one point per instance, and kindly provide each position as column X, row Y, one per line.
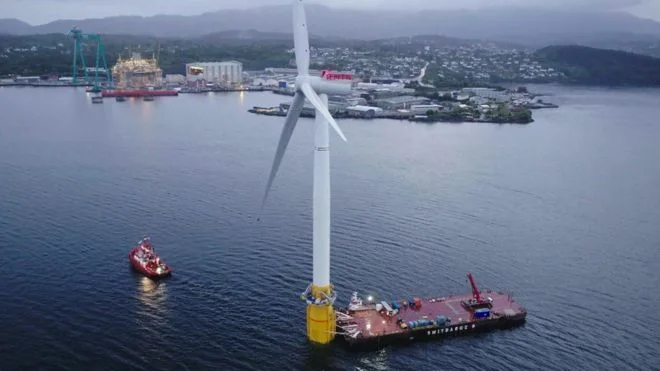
column 475, row 290
column 477, row 301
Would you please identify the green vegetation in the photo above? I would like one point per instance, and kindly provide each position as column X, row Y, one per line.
column 455, row 80
column 53, row 53
column 446, row 80
column 504, row 114
column 591, row 66
column 456, row 114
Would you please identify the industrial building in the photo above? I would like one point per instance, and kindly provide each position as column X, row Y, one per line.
column 137, row 72
column 402, row 102
column 363, row 111
column 289, row 71
column 487, row 93
column 229, row 72
column 175, row 78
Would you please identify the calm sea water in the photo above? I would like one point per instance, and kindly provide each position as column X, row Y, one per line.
column 564, row 212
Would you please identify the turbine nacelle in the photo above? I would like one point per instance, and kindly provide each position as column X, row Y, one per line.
column 322, row 86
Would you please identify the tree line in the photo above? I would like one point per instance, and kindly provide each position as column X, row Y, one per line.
column 54, row 53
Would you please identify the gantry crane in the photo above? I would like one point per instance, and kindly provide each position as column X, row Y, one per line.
column 78, row 40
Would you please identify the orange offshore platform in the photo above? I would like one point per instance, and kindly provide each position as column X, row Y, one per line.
column 375, row 324
column 137, row 77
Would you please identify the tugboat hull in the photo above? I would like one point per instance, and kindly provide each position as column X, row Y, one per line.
column 144, row 260
column 147, row 271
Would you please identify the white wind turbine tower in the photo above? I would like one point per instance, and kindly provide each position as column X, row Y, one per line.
column 320, row 295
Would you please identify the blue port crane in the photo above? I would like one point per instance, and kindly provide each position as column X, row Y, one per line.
column 79, row 39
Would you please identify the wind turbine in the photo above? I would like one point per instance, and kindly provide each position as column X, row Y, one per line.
column 320, row 294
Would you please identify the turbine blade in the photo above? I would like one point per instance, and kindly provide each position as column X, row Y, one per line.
column 289, row 124
column 313, row 98
column 300, row 38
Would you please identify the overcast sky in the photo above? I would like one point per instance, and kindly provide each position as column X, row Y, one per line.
column 42, row 11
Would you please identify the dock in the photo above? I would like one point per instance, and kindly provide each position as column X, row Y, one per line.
column 140, row 93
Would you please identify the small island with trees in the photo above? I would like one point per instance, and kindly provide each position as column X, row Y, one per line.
column 501, row 114
column 487, row 105
column 480, row 104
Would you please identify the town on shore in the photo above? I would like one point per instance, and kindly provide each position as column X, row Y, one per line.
column 418, row 83
column 379, row 97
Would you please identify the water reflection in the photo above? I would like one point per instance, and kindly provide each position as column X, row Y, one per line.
column 146, row 111
column 320, row 357
column 378, row 360
column 153, row 296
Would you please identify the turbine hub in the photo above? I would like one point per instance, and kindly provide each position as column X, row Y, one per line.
column 300, row 80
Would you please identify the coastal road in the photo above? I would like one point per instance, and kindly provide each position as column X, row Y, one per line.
column 421, row 77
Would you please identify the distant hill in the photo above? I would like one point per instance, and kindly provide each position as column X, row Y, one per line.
column 251, row 36
column 15, row 27
column 243, row 37
column 439, row 41
column 634, row 43
column 535, row 27
column 591, row 66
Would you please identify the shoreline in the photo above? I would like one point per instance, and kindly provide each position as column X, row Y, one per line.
column 405, row 115
column 275, row 111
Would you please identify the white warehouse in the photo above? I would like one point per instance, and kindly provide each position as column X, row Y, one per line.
column 230, row 72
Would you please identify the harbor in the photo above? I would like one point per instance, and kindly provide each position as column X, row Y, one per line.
column 370, row 98
column 373, row 98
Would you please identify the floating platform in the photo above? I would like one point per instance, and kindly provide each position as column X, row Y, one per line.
column 139, row 93
column 375, row 324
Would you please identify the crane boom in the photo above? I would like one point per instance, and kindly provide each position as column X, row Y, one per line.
column 475, row 289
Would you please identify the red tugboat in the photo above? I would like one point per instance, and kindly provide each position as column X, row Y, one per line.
column 375, row 324
column 143, row 258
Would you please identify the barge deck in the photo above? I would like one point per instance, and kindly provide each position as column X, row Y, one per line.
column 382, row 323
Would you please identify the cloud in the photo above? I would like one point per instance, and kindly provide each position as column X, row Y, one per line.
column 41, row 11
column 476, row 4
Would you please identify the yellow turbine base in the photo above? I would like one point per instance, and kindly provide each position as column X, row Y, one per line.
column 321, row 319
